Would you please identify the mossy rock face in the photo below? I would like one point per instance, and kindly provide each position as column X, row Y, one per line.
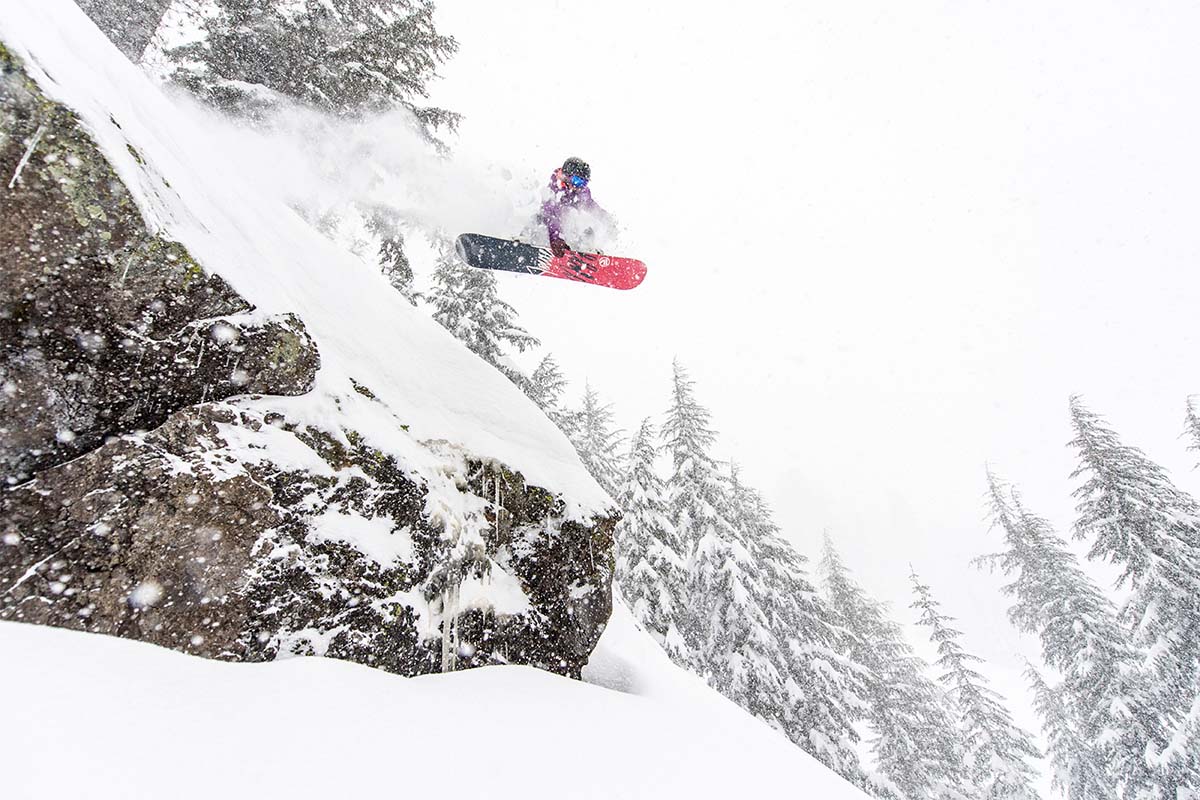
column 106, row 327
column 122, row 541
column 176, row 538
column 566, row 569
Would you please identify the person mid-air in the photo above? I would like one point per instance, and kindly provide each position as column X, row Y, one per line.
column 571, row 200
column 577, row 228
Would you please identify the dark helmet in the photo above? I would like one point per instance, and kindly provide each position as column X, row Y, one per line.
column 576, row 166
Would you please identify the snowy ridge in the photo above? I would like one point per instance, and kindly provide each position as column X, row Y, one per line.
column 188, row 190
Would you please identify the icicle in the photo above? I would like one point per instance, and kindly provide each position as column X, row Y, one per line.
column 125, row 272
column 498, row 509
column 200, row 357
column 28, row 154
column 454, row 631
column 128, row 261
column 449, row 629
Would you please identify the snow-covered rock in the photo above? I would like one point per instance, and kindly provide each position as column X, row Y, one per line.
column 225, row 434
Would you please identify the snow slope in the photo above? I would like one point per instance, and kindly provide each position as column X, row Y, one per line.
column 191, row 188
column 144, row 722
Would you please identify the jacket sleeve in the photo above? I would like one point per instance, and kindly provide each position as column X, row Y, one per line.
column 550, row 217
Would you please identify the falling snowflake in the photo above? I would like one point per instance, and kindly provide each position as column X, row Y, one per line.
column 224, row 333
column 92, row 342
column 146, row 594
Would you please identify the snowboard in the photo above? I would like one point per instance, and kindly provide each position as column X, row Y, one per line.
column 487, row 252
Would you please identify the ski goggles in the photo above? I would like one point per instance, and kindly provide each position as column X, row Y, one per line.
column 576, row 181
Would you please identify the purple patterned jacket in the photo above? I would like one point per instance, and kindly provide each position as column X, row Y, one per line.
column 560, row 200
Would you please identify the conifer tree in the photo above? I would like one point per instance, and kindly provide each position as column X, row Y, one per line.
column 1137, row 519
column 814, row 699
column 130, row 24
column 396, row 266
column 914, row 739
column 694, row 487
column 650, row 567
column 342, row 56
column 465, row 302
column 694, row 495
column 1193, row 423
column 545, row 387
column 752, row 627
column 384, row 225
column 725, row 624
column 1078, row 773
column 1097, row 720
column 745, row 638
column 998, row 751
column 597, row 441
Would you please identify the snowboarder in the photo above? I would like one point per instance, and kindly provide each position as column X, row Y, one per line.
column 569, row 214
column 568, row 190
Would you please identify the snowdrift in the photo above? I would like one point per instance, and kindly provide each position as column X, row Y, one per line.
column 143, row 722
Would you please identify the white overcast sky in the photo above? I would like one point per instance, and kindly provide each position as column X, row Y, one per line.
column 888, row 240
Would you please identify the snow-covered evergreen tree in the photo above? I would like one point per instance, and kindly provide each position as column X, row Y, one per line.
column 396, row 266
column 130, row 24
column 1078, row 772
column 650, row 566
column 384, row 225
column 745, row 640
column 345, row 57
column 1138, row 520
column 694, row 495
column 342, row 56
column 1097, row 719
column 816, row 704
column 545, row 387
column 725, row 624
column 547, row 384
column 1192, row 421
column 998, row 752
column 466, row 303
column 752, row 625
column 694, row 488
column 914, row 736
column 597, row 441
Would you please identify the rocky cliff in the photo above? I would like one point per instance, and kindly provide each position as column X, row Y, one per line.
column 195, row 465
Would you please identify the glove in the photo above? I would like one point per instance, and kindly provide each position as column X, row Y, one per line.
column 559, row 248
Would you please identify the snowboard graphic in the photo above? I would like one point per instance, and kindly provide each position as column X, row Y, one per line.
column 487, row 252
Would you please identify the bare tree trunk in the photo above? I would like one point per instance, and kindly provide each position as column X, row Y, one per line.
column 130, row 24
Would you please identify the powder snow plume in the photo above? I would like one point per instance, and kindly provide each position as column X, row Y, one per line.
column 336, row 171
